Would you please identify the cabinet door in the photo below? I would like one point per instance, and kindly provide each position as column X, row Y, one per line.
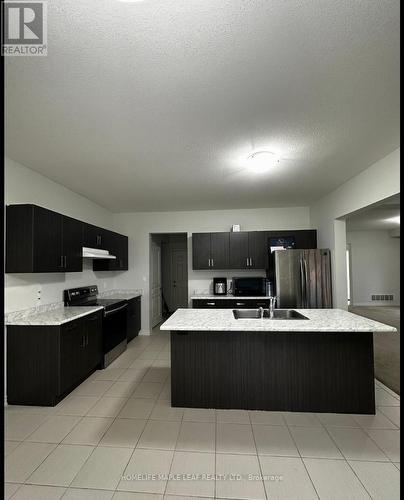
column 201, row 257
column 72, row 244
column 123, row 253
column 219, row 250
column 116, row 244
column 119, row 248
column 306, row 238
column 238, row 250
column 257, row 250
column 133, row 318
column 93, row 236
column 47, row 246
column 72, row 354
column 92, row 342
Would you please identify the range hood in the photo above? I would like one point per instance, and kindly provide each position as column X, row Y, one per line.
column 96, row 253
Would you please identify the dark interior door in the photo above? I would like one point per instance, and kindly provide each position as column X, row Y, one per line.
column 219, row 250
column 238, row 250
column 47, row 245
column 257, row 249
column 201, row 256
column 72, row 244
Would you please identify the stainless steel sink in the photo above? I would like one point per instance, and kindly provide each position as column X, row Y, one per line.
column 278, row 314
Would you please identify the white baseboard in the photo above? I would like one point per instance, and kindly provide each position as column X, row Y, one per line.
column 144, row 332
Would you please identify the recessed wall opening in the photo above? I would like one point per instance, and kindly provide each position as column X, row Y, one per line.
column 168, row 275
column 373, row 279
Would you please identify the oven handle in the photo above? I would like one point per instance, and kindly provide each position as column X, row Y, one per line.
column 108, row 313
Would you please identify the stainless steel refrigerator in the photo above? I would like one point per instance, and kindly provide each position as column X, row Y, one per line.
column 303, row 278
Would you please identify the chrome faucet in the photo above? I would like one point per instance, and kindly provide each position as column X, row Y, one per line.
column 272, row 302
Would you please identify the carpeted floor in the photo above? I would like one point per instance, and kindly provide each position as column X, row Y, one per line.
column 386, row 345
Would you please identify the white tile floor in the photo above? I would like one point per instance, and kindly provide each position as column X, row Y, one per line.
column 119, row 424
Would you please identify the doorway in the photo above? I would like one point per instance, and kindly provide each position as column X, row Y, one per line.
column 168, row 275
column 373, row 277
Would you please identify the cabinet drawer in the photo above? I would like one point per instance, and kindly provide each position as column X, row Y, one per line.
column 241, row 303
column 211, row 303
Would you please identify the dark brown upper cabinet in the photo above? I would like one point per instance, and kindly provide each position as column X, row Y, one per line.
column 39, row 240
column 242, row 250
column 248, row 250
column 117, row 244
column 94, row 237
column 210, row 250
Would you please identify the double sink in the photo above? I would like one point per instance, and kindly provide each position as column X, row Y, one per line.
column 259, row 314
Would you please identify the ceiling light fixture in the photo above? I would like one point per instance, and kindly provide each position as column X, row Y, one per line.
column 262, row 161
column 396, row 219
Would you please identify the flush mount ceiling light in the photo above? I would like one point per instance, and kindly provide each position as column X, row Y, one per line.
column 396, row 219
column 262, row 161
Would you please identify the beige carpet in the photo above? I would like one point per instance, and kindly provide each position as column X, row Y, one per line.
column 386, row 345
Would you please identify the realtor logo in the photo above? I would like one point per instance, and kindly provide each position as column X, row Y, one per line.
column 24, row 28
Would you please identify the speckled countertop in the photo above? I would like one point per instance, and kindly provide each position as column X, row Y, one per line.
column 319, row 320
column 121, row 294
column 224, row 297
column 52, row 317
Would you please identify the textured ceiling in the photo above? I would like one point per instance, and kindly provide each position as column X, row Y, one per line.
column 155, row 105
column 377, row 217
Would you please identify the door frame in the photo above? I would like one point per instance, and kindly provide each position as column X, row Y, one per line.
column 153, row 237
column 349, row 274
column 152, row 242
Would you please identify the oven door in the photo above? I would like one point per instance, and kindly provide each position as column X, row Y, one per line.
column 114, row 328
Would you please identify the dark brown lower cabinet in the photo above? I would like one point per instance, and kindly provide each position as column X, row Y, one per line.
column 133, row 318
column 236, row 303
column 274, row 371
column 45, row 363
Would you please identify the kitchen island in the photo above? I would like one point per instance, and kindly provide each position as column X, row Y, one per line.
column 323, row 363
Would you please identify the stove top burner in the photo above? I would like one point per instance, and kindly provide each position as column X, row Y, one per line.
column 88, row 296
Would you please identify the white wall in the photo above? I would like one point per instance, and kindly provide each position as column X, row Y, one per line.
column 138, row 227
column 375, row 258
column 23, row 185
column 381, row 180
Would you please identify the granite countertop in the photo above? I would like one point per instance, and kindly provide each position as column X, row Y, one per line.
column 121, row 294
column 52, row 317
column 224, row 297
column 320, row 320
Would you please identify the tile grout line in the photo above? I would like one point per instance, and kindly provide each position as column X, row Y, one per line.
column 258, row 458
column 301, row 458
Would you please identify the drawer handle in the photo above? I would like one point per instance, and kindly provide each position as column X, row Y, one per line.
column 210, row 303
column 240, row 303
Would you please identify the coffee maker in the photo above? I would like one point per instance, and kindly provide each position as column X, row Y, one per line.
column 220, row 286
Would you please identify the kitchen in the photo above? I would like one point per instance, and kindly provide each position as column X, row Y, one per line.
column 265, row 373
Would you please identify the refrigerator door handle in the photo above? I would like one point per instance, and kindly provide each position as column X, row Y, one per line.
column 301, row 279
column 306, row 299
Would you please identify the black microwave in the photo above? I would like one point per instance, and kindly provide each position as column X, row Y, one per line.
column 249, row 286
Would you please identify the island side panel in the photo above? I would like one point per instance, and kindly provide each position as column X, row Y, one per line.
column 277, row 371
